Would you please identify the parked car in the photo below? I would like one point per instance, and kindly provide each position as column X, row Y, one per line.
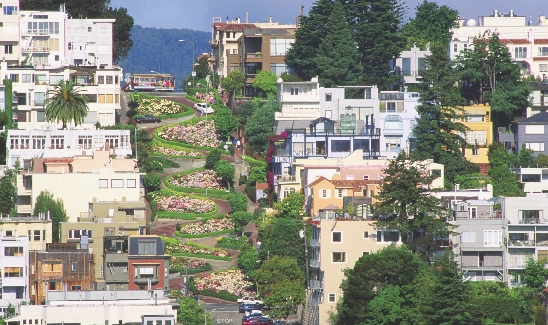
column 197, row 106
column 146, row 119
column 207, row 110
column 257, row 319
column 250, row 309
column 250, row 300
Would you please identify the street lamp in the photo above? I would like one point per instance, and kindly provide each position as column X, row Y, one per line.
column 193, row 73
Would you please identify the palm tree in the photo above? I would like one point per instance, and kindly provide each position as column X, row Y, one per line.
column 66, row 104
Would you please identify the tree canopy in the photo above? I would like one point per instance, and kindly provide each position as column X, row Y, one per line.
column 235, row 81
column 503, row 180
column 66, row 104
column 267, row 83
column 8, row 192
column 291, row 207
column 259, row 127
column 45, row 202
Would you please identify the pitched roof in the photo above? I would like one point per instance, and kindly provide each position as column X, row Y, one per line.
column 330, row 207
column 515, row 41
column 539, row 118
column 541, row 41
column 318, row 181
column 354, row 184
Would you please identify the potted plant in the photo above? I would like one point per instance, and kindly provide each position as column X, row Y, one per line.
column 258, row 55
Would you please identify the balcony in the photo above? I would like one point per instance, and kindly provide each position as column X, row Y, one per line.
column 532, row 221
column 256, row 55
column 36, row 32
column 316, row 285
column 36, row 49
column 52, row 274
column 214, row 42
column 144, row 280
column 314, row 263
column 315, row 242
column 518, row 243
column 325, row 215
column 287, row 179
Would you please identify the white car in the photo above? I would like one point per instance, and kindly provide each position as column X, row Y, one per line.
column 199, row 106
column 206, row 110
column 250, row 301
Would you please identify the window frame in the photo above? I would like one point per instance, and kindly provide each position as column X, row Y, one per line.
column 340, row 234
column 331, row 295
column 343, row 257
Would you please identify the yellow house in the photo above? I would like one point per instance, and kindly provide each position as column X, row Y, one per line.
column 479, row 135
column 327, row 196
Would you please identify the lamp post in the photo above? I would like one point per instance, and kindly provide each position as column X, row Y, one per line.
column 193, row 73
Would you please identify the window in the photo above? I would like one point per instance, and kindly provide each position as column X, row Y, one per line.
column 388, row 236
column 76, row 288
column 421, row 66
column 279, row 46
column 37, row 235
column 9, row 233
column 393, row 142
column 328, row 97
column 520, row 52
column 39, row 98
column 543, row 67
column 339, row 257
column 147, row 248
column 101, row 80
column 367, row 93
column 55, row 79
column 336, row 237
column 543, row 51
column 10, row 10
column 74, row 266
column 78, row 233
column 340, row 193
column 469, row 276
column 13, row 251
column 393, row 122
column 14, row 77
column 131, row 183
column 40, row 79
column 535, row 146
column 103, row 183
column 13, row 272
column 406, row 67
column 110, row 80
column 70, row 45
column 534, row 129
column 117, row 183
column 366, row 235
column 325, row 194
column 332, row 298
column 340, row 145
column 27, row 78
column 475, row 152
column 455, row 48
column 103, row 31
column 492, row 238
column 43, row 235
column 89, row 29
column 365, row 253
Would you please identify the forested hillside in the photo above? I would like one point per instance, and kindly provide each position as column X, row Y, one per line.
column 158, row 49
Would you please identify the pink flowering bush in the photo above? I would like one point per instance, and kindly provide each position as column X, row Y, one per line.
column 178, row 264
column 200, row 179
column 173, row 152
column 210, row 225
column 203, row 134
column 182, row 203
column 175, row 246
column 209, row 96
column 231, row 281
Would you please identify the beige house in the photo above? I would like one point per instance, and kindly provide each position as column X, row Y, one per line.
column 37, row 229
column 105, row 218
column 77, row 180
column 336, row 246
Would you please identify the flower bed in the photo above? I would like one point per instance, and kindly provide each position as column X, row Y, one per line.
column 199, row 179
column 209, row 96
column 181, row 203
column 202, row 134
column 177, row 265
column 176, row 248
column 208, row 226
column 231, row 242
column 229, row 281
column 173, row 152
column 156, row 106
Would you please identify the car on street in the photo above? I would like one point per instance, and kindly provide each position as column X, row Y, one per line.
column 250, row 300
column 207, row 110
column 146, row 119
column 257, row 319
column 197, row 106
column 250, row 308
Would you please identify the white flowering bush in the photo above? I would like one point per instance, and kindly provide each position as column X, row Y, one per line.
column 173, row 152
column 202, row 134
column 174, row 246
column 231, row 281
column 182, row 203
column 210, row 225
column 200, row 179
column 157, row 106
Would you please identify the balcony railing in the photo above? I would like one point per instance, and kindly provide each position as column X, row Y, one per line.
column 314, row 262
column 36, row 49
column 316, row 284
column 52, row 274
column 532, row 221
column 325, row 215
column 286, row 178
column 518, row 242
column 39, row 32
column 145, row 280
column 494, row 215
column 314, row 242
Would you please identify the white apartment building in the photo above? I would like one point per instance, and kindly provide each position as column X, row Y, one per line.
column 42, row 38
column 9, row 32
column 89, row 42
column 23, row 145
column 37, row 229
column 527, row 43
column 31, row 86
column 100, row 307
column 14, row 260
column 409, row 64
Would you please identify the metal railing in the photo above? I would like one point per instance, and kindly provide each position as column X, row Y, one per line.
column 287, row 178
column 532, row 221
column 316, row 284
column 314, row 262
column 314, row 242
column 519, row 242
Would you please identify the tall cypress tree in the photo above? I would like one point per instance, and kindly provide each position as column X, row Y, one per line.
column 308, row 37
column 376, row 25
column 337, row 57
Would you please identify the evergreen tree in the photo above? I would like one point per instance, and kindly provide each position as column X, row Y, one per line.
column 259, row 127
column 439, row 133
column 404, row 203
column 337, row 56
column 8, row 192
column 376, row 25
column 301, row 56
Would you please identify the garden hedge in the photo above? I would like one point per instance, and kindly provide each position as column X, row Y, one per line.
column 174, row 148
column 211, row 257
column 180, row 215
column 207, row 234
column 211, row 193
column 179, row 144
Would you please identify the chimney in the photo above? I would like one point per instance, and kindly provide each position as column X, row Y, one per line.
column 302, row 10
column 246, row 16
column 270, row 19
column 496, row 13
column 511, row 12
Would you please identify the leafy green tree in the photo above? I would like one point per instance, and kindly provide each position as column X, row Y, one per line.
column 541, row 161
column 152, row 181
column 45, row 202
column 439, row 131
column 240, row 220
column 235, row 81
column 191, row 313
column 267, row 82
column 376, row 25
column 212, row 158
column 202, row 68
column 535, row 274
column 503, row 180
column 225, row 122
column 8, row 90
column 526, row 158
column 370, row 276
column 246, row 109
column 337, row 57
column 66, row 104
column 237, row 202
column 490, row 75
column 225, row 170
column 259, row 127
column 388, row 307
column 431, row 25
column 283, row 238
column 249, row 261
column 257, row 174
column 472, row 180
column 301, row 56
column 291, row 207
column 405, row 203
column 286, row 77
column 8, row 192
column 281, row 282
column 121, row 32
